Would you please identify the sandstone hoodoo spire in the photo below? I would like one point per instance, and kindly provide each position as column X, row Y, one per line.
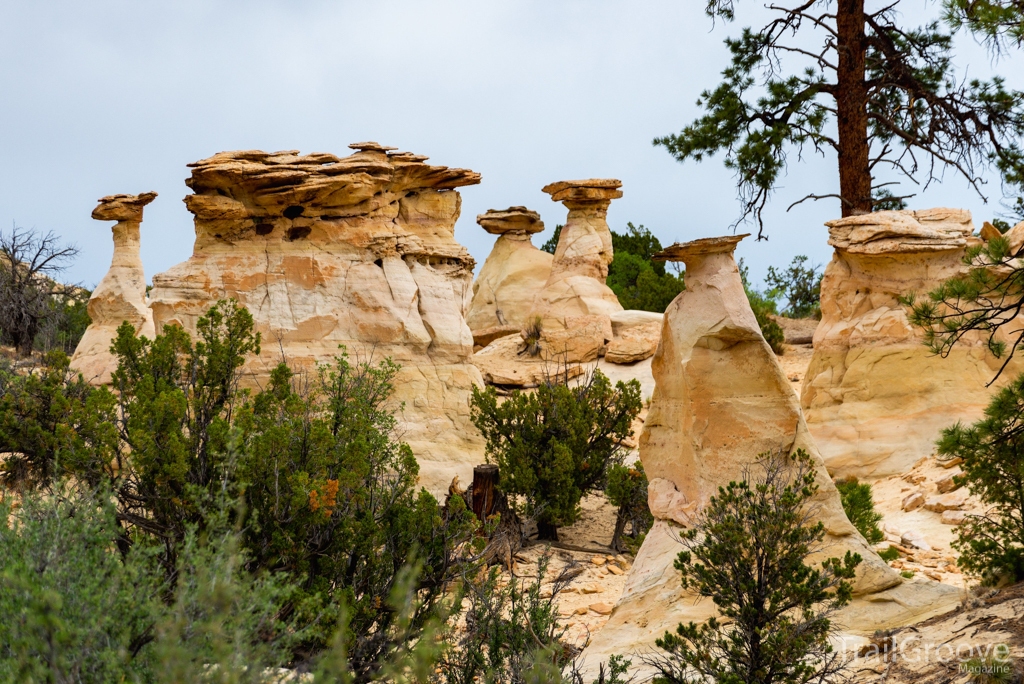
column 720, row 400
column 575, row 305
column 875, row 397
column 121, row 295
column 357, row 251
column 514, row 272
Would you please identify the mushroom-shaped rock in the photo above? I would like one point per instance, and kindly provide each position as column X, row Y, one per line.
column 876, row 399
column 575, row 304
column 121, row 295
column 721, row 400
column 513, row 274
column 358, row 251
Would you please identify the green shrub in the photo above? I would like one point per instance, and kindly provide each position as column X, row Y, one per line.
column 507, row 626
column 627, row 490
column 860, row 508
column 992, row 449
column 638, row 281
column 555, row 444
column 800, row 285
column 747, row 553
column 889, row 555
column 71, row 608
column 764, row 307
column 52, row 423
column 332, row 500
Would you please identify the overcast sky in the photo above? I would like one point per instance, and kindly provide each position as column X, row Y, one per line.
column 111, row 96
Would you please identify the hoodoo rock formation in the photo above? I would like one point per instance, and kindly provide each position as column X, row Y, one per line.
column 720, row 401
column 121, row 295
column 329, row 251
column 511, row 277
column 875, row 397
column 575, row 305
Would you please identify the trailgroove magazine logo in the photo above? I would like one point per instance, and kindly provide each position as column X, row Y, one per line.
column 988, row 659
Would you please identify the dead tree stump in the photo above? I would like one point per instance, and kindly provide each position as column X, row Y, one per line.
column 485, row 482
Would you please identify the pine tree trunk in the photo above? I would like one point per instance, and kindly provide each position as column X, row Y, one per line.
column 547, row 531
column 852, row 109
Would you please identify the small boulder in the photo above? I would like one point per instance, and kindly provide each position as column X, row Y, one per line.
column 916, row 539
column 601, row 608
column 952, row 517
column 913, row 501
column 946, row 502
column 947, row 484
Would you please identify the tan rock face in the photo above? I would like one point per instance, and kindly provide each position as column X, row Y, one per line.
column 575, row 302
column 356, row 251
column 121, row 295
column 635, row 336
column 515, row 271
column 875, row 397
column 720, row 401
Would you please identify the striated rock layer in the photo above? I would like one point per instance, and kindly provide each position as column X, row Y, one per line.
column 511, row 277
column 875, row 398
column 357, row 251
column 121, row 295
column 721, row 399
column 575, row 305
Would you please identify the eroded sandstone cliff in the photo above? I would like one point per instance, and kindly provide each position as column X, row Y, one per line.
column 722, row 400
column 330, row 251
column 875, row 397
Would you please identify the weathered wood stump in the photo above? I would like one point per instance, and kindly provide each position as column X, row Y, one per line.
column 485, row 482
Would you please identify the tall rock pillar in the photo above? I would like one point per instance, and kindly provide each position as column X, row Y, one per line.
column 720, row 401
column 514, row 272
column 575, row 305
column 121, row 295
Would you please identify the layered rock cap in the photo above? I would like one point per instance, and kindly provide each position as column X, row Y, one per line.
column 875, row 397
column 357, row 252
column 721, row 400
column 575, row 304
column 121, row 295
column 513, row 274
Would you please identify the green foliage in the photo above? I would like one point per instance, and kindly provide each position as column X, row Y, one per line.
column 552, row 242
column 637, row 280
column 53, row 423
column 71, row 609
column 176, row 402
column 907, row 574
column 333, row 500
column 998, row 22
column 508, row 627
column 992, row 449
column 62, row 328
column 984, row 301
column 860, row 508
column 767, row 109
column 764, row 307
column 800, row 285
column 627, row 490
column 889, row 555
column 555, row 444
column 748, row 555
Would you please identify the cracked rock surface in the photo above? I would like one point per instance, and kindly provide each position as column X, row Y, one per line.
column 356, row 251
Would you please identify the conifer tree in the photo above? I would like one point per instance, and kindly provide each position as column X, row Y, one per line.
column 883, row 97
